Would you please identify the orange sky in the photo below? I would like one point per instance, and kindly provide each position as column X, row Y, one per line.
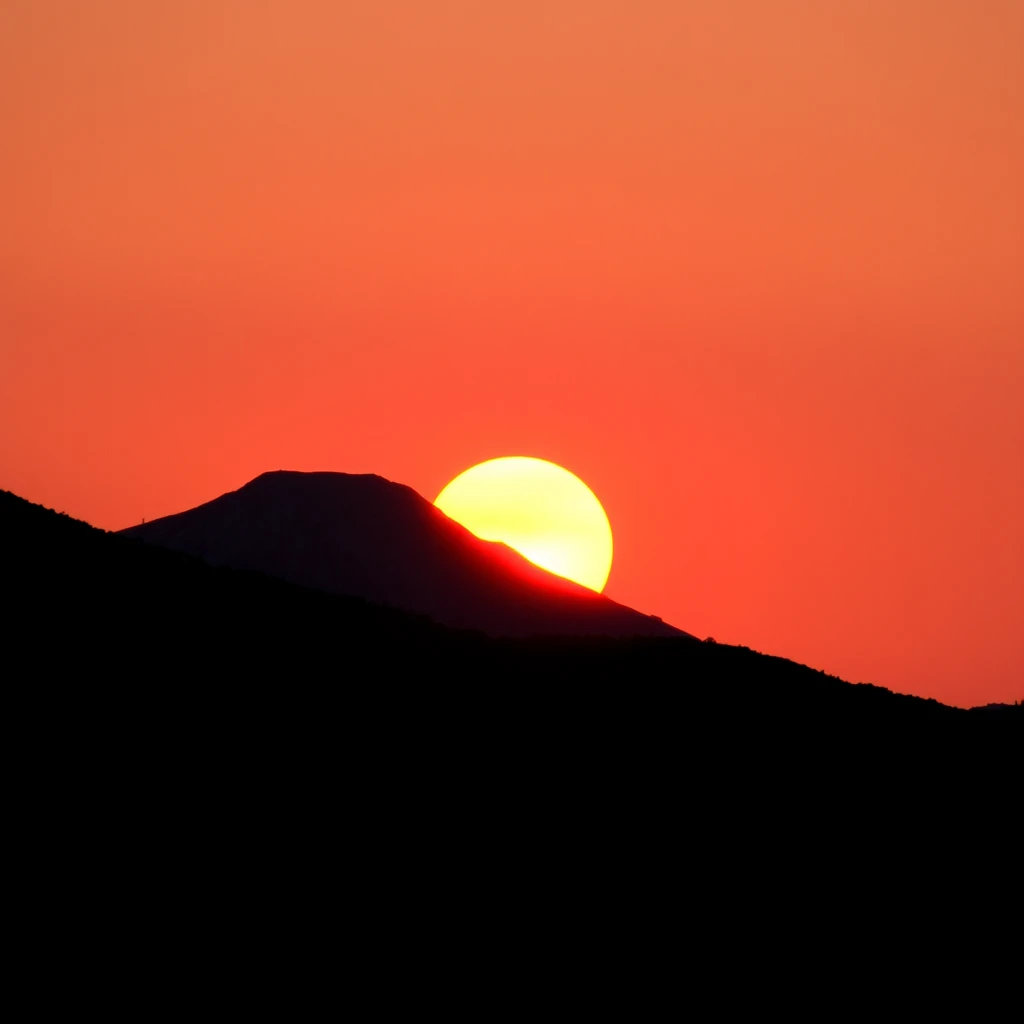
column 753, row 269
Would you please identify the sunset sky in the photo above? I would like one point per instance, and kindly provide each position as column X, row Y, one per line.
column 752, row 269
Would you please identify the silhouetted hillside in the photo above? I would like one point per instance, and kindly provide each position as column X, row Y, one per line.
column 82, row 603
column 367, row 537
column 175, row 726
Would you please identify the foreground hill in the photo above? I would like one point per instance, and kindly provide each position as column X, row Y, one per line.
column 216, row 760
column 83, row 602
column 364, row 536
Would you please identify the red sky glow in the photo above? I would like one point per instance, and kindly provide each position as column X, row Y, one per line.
column 753, row 271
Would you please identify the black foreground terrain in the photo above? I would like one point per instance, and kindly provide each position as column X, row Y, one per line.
column 229, row 764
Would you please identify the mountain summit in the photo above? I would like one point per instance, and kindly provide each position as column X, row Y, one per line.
column 365, row 536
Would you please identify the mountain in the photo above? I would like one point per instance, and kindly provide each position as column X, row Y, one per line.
column 135, row 670
column 83, row 605
column 203, row 749
column 80, row 600
column 364, row 536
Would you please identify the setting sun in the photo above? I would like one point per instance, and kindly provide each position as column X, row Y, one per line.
column 541, row 510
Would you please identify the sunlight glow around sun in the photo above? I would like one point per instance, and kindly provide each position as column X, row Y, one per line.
column 543, row 511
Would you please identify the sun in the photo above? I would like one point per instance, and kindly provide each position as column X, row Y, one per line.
column 543, row 511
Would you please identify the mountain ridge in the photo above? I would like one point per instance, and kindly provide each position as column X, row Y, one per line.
column 81, row 597
column 366, row 536
column 82, row 600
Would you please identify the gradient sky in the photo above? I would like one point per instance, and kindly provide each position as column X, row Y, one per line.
column 753, row 269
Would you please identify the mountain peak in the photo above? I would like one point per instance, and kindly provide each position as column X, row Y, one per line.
column 366, row 536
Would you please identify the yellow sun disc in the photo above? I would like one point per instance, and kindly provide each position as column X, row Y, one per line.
column 543, row 511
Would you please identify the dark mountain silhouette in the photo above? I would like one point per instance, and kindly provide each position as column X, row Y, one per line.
column 367, row 537
column 79, row 600
column 206, row 758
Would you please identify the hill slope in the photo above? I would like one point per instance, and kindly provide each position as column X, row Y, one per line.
column 81, row 600
column 367, row 537
column 182, row 738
